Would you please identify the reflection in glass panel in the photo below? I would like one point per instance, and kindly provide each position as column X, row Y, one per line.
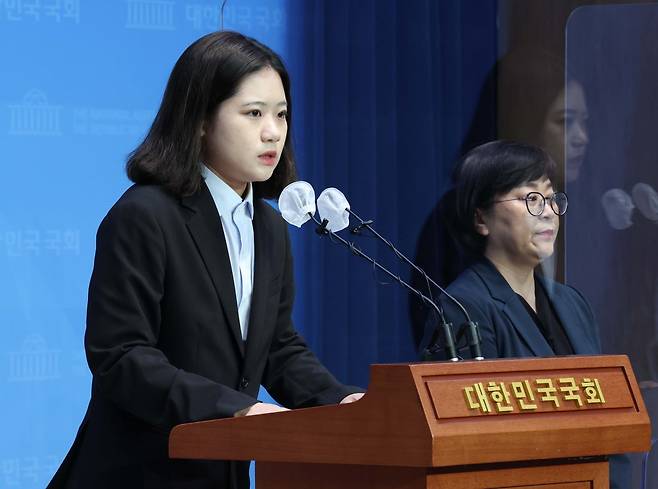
column 612, row 226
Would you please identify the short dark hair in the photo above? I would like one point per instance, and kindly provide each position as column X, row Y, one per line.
column 486, row 171
column 208, row 72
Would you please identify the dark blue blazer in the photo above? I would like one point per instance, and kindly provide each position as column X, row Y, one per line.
column 506, row 327
column 508, row 330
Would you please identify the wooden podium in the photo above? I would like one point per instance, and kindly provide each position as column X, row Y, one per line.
column 522, row 423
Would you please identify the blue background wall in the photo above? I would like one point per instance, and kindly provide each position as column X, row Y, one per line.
column 81, row 83
column 384, row 92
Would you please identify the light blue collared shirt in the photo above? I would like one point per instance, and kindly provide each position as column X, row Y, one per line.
column 236, row 216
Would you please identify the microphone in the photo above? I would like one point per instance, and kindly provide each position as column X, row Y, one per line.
column 329, row 204
column 297, row 203
column 334, row 201
column 646, row 200
column 334, row 207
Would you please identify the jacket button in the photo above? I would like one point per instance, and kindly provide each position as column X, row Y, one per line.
column 244, row 383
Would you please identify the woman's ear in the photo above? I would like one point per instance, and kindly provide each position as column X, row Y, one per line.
column 480, row 224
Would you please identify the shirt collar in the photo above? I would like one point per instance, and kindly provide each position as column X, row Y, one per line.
column 226, row 199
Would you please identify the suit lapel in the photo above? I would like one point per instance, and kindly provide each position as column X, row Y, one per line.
column 512, row 307
column 527, row 329
column 570, row 320
column 263, row 247
column 206, row 229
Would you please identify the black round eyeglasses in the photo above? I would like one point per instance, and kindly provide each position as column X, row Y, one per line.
column 535, row 202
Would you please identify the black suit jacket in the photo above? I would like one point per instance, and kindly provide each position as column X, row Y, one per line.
column 506, row 327
column 164, row 346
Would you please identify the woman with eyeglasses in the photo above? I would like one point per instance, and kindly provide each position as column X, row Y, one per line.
column 506, row 219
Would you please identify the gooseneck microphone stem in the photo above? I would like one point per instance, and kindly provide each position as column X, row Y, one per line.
column 472, row 331
column 367, row 225
column 449, row 336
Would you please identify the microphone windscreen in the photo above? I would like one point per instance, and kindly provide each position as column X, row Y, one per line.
column 297, row 203
column 332, row 206
column 646, row 200
column 618, row 208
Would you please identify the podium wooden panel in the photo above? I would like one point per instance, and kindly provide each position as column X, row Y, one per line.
column 522, row 423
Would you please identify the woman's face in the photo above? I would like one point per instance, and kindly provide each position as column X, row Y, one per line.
column 244, row 138
column 564, row 133
column 514, row 236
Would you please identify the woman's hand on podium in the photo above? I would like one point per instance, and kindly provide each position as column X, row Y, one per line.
column 352, row 398
column 260, row 408
column 265, row 408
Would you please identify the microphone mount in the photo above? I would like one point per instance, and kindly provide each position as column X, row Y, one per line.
column 357, row 229
column 322, row 226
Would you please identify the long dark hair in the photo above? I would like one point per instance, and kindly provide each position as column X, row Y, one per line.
column 208, row 72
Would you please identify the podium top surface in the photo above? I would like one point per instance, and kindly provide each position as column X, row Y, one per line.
column 441, row 414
